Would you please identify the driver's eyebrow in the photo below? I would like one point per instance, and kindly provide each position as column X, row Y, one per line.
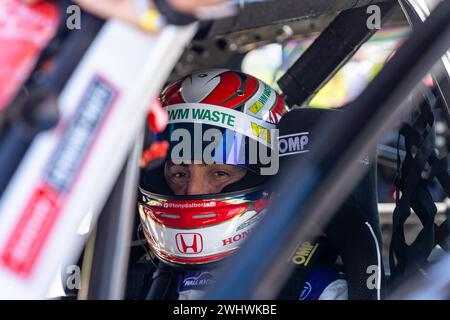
column 171, row 164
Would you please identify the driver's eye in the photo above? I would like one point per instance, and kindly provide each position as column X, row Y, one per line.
column 221, row 174
column 179, row 175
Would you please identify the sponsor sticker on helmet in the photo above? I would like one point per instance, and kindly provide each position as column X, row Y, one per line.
column 262, row 100
column 223, row 117
column 236, row 238
column 253, row 220
column 189, row 243
column 246, row 141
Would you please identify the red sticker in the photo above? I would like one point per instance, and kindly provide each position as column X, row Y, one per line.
column 25, row 30
column 25, row 243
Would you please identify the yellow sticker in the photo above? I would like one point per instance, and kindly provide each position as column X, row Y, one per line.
column 261, row 132
column 256, row 107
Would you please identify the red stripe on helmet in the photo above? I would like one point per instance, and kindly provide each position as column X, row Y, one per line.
column 182, row 215
column 233, row 90
column 277, row 111
column 172, row 94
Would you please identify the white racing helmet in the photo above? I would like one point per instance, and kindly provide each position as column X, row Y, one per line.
column 200, row 229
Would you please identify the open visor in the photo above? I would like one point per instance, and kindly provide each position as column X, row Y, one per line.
column 208, row 134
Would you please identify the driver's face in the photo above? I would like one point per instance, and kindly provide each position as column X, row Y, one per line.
column 201, row 178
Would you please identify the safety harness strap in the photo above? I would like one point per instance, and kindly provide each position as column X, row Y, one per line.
column 420, row 166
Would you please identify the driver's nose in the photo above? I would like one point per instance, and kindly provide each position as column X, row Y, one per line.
column 198, row 184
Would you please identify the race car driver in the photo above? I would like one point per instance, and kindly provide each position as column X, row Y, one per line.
column 204, row 199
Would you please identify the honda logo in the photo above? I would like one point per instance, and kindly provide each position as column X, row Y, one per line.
column 189, row 243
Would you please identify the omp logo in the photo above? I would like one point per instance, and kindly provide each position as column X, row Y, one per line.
column 304, row 253
column 189, row 243
column 293, row 144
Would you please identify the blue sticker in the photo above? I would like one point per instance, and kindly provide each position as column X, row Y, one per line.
column 195, row 280
column 306, row 291
column 317, row 282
